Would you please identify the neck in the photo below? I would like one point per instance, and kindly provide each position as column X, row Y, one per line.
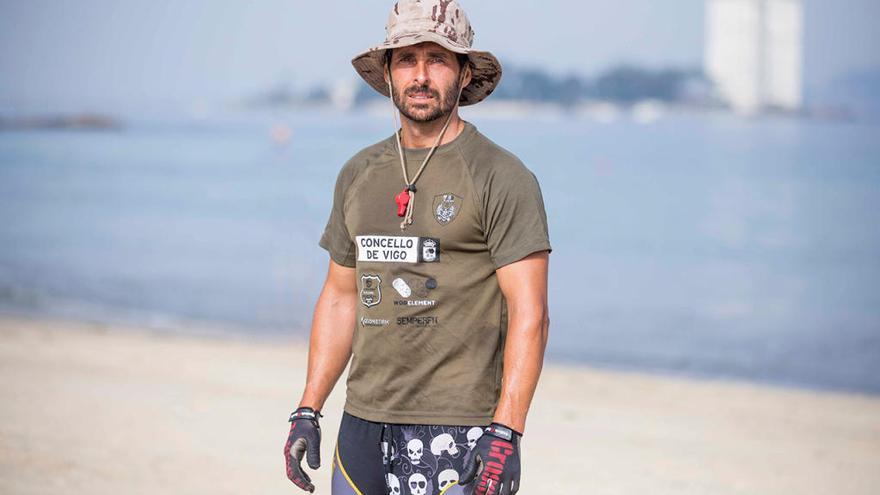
column 424, row 134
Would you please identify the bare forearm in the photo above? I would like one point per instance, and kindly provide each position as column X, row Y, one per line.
column 523, row 360
column 329, row 345
column 524, row 285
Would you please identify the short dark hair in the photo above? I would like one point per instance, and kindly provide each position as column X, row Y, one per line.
column 463, row 60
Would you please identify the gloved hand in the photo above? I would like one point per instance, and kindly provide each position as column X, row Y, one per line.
column 304, row 438
column 497, row 456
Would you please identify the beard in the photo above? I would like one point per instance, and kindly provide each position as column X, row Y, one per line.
column 431, row 110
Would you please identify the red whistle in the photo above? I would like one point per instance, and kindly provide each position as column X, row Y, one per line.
column 402, row 200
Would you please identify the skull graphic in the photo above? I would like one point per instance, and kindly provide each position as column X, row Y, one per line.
column 418, row 484
column 446, row 478
column 414, row 449
column 473, row 435
column 444, row 443
column 393, row 484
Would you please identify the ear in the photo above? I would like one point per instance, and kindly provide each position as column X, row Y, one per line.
column 467, row 75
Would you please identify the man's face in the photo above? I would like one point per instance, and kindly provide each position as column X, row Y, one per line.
column 425, row 81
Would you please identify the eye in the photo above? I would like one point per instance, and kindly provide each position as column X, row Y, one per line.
column 406, row 59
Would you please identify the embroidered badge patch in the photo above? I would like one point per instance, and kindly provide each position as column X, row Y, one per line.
column 371, row 292
column 429, row 249
column 446, row 207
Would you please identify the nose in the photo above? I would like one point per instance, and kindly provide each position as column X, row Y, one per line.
column 421, row 74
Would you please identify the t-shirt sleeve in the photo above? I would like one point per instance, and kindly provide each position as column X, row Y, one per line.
column 515, row 220
column 336, row 239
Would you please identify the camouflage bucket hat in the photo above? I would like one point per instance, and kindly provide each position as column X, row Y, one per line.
column 439, row 21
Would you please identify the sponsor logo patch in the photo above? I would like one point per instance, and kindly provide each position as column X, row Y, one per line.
column 373, row 322
column 415, row 302
column 418, row 321
column 446, row 207
column 417, row 287
column 401, row 287
column 398, row 249
column 371, row 291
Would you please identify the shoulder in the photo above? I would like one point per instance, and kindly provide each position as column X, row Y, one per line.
column 489, row 162
column 363, row 159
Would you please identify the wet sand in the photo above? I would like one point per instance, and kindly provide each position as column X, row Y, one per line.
column 92, row 409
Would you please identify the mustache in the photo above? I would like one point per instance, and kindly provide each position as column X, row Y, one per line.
column 421, row 91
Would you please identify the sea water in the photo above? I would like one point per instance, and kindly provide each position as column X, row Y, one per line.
column 707, row 245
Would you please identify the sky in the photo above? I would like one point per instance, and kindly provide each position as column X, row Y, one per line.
column 105, row 52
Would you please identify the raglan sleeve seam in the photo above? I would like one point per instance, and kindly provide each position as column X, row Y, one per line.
column 479, row 210
column 332, row 241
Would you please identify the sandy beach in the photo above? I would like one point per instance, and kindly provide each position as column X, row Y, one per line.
column 93, row 409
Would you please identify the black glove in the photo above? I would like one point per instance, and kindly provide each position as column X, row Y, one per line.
column 497, row 453
column 304, row 438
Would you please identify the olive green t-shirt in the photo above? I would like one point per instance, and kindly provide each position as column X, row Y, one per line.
column 431, row 319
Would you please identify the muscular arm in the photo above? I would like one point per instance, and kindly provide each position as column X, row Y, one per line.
column 524, row 285
column 331, row 336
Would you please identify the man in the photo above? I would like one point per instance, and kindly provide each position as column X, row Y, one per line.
column 437, row 284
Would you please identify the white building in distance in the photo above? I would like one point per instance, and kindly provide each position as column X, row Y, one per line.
column 754, row 53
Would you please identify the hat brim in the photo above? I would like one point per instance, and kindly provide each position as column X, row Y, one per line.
column 486, row 69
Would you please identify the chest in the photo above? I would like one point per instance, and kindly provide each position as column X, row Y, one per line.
column 444, row 206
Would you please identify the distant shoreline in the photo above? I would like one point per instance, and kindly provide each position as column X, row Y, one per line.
column 84, row 121
column 641, row 112
column 218, row 331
